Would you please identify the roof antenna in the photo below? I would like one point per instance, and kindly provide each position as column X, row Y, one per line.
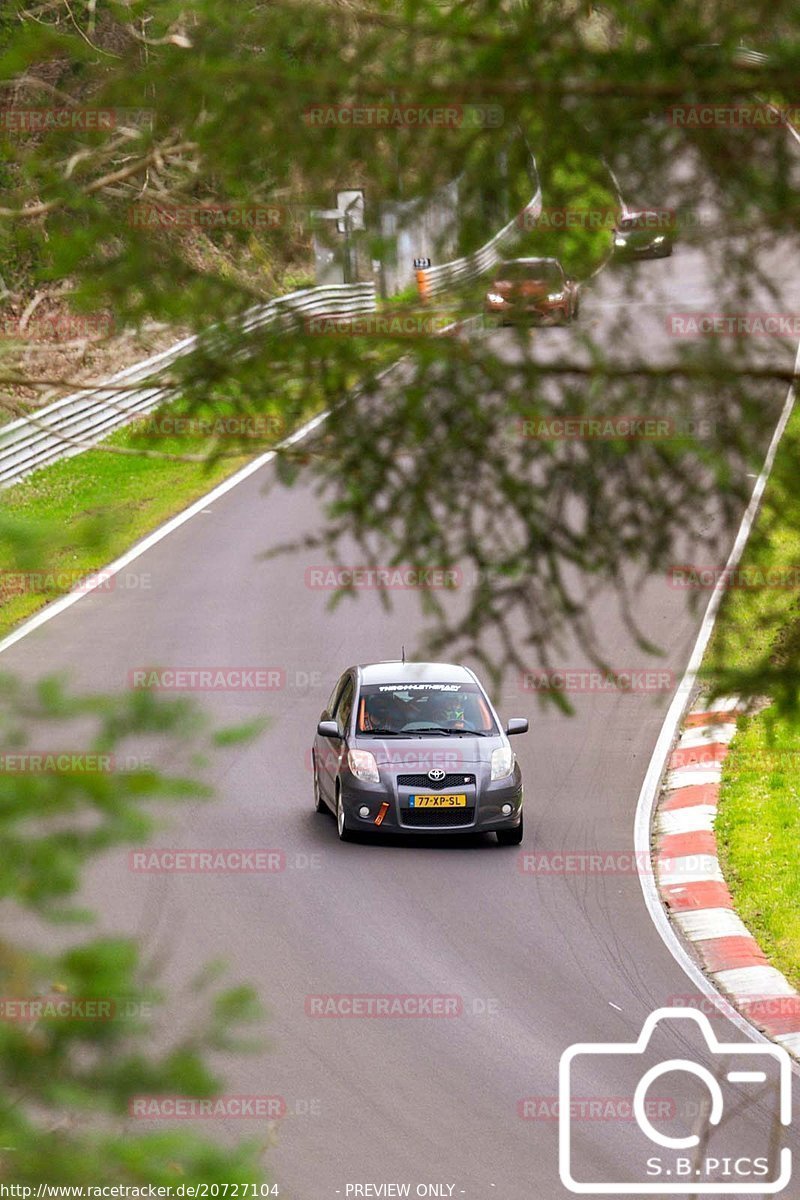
column 403, row 652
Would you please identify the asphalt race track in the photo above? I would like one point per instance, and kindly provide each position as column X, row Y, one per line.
column 538, row 961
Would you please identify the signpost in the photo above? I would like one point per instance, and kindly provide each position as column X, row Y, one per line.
column 349, row 218
column 420, row 267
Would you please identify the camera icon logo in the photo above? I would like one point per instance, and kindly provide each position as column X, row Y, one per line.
column 672, row 1163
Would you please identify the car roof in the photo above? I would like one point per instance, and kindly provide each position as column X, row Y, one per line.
column 414, row 672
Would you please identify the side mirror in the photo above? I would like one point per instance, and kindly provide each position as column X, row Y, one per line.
column 330, row 729
column 517, row 725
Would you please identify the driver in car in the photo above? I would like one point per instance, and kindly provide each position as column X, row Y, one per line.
column 454, row 716
column 380, row 712
column 445, row 711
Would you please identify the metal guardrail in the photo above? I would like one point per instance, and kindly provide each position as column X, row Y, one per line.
column 79, row 421
column 439, row 279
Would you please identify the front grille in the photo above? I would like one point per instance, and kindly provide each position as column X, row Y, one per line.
column 449, row 781
column 437, row 816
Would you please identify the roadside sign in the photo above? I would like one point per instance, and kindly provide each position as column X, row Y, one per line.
column 351, row 206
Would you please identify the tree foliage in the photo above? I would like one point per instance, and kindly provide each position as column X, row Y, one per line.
column 440, row 463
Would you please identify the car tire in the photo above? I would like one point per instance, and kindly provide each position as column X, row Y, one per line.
column 341, row 819
column 510, row 837
column 319, row 804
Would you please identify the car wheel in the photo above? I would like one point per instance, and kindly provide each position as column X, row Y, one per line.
column 341, row 819
column 319, row 804
column 510, row 837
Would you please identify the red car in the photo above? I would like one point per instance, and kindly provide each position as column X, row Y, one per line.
column 533, row 288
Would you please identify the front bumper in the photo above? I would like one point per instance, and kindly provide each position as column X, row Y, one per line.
column 535, row 313
column 482, row 813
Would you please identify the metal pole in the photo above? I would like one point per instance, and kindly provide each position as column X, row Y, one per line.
column 348, row 266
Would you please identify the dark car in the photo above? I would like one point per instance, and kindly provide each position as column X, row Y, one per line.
column 535, row 289
column 648, row 233
column 416, row 748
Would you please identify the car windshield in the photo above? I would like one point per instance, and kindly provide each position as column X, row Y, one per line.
column 548, row 273
column 416, row 708
column 641, row 220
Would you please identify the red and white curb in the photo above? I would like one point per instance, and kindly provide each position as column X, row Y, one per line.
column 692, row 886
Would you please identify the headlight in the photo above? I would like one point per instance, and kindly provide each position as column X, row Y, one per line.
column 557, row 298
column 620, row 241
column 658, row 240
column 363, row 766
column 495, row 298
column 503, row 760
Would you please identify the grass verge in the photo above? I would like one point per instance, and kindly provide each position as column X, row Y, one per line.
column 101, row 503
column 758, row 630
column 73, row 517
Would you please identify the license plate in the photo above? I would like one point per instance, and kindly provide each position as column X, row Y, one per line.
column 459, row 801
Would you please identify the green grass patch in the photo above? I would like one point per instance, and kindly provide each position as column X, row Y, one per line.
column 758, row 626
column 758, row 632
column 758, row 833
column 101, row 503
column 73, row 517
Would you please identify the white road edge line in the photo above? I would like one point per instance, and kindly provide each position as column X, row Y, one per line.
column 97, row 577
column 650, row 787
column 101, row 574
column 648, row 796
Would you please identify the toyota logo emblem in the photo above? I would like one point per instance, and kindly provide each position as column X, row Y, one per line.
column 436, row 775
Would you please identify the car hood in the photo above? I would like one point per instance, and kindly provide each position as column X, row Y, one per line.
column 421, row 754
column 639, row 236
column 524, row 287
